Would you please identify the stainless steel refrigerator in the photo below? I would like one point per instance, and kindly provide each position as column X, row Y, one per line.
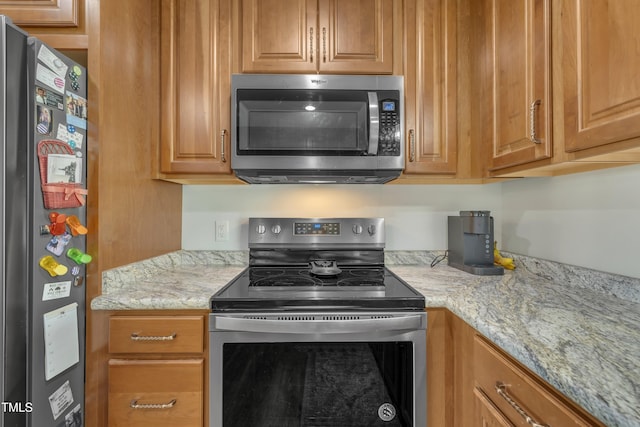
column 43, row 259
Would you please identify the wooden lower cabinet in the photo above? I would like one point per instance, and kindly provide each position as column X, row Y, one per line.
column 507, row 395
column 157, row 370
column 463, row 369
column 156, row 393
column 486, row 413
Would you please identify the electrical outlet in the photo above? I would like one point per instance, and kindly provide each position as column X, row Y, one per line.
column 222, row 231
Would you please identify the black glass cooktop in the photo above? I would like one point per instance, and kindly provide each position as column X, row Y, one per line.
column 297, row 288
column 301, row 277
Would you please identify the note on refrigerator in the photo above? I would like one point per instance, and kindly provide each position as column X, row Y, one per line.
column 61, row 340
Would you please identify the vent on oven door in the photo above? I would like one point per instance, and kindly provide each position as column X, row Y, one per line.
column 297, row 317
column 341, row 317
column 312, row 317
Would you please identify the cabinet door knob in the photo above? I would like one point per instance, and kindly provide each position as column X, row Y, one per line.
column 532, row 122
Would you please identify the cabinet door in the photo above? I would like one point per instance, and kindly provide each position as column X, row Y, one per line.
column 61, row 24
column 430, row 86
column 356, row 36
column 514, row 71
column 195, row 84
column 48, row 13
column 601, row 60
column 279, row 36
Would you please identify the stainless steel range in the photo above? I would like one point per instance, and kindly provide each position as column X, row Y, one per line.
column 317, row 331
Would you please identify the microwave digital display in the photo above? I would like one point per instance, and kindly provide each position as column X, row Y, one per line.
column 388, row 106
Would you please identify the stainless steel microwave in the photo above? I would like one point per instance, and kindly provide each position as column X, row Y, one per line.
column 317, row 128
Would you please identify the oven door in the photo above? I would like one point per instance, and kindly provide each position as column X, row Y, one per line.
column 318, row 369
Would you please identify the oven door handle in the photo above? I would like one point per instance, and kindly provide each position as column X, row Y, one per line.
column 404, row 323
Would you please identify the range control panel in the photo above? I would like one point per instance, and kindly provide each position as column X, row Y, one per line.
column 315, row 228
column 365, row 233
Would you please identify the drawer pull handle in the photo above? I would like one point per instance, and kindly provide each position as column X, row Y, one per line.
column 135, row 405
column 501, row 389
column 136, row 337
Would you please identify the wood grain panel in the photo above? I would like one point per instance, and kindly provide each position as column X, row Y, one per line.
column 487, row 415
column 61, row 24
column 130, row 216
column 195, row 79
column 535, row 398
column 184, row 334
column 156, row 382
column 515, row 72
column 439, row 368
column 430, row 87
column 42, row 13
column 356, row 36
column 601, row 61
column 279, row 36
column 136, row 217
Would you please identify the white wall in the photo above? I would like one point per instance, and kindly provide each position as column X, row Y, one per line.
column 415, row 215
column 589, row 219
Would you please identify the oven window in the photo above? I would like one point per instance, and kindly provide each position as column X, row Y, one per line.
column 291, row 122
column 318, row 384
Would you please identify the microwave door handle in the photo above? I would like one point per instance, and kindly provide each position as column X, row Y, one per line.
column 374, row 123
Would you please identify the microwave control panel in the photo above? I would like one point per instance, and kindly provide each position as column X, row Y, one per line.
column 389, row 136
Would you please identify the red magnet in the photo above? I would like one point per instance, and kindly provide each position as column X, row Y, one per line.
column 58, row 223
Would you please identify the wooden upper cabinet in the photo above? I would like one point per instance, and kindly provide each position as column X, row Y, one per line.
column 514, row 75
column 430, row 86
column 195, row 86
column 59, row 23
column 601, row 60
column 326, row 36
column 278, row 35
column 356, row 36
column 44, row 13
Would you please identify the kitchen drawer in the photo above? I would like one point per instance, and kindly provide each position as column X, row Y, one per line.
column 156, row 334
column 536, row 399
column 159, row 393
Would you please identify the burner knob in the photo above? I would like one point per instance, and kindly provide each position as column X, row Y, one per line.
column 371, row 229
column 357, row 229
column 261, row 229
column 276, row 229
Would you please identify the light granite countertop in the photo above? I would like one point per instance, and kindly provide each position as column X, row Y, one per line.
column 579, row 329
